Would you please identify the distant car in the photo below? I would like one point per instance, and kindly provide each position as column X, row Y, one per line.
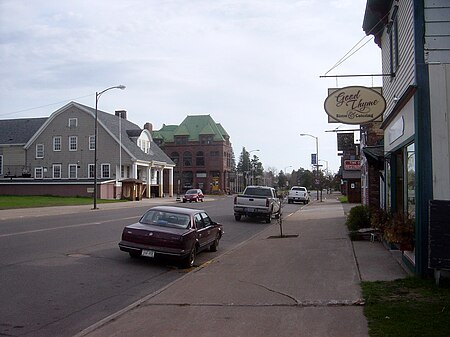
column 298, row 193
column 194, row 194
column 171, row 231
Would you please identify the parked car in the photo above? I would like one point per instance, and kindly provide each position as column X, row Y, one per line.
column 172, row 231
column 298, row 193
column 194, row 194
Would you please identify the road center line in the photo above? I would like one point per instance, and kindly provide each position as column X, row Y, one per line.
column 58, row 228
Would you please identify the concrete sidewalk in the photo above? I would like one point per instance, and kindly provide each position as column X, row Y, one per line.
column 304, row 284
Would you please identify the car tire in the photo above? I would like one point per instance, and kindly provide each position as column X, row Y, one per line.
column 269, row 218
column 184, row 201
column 189, row 260
column 214, row 245
column 237, row 217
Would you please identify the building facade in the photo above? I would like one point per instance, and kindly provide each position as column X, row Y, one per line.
column 55, row 155
column 202, row 152
column 414, row 37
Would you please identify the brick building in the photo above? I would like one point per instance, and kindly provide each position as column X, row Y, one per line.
column 202, row 152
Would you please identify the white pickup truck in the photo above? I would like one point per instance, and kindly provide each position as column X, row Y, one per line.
column 298, row 193
column 257, row 201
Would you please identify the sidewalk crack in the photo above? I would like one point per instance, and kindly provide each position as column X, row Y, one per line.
column 274, row 291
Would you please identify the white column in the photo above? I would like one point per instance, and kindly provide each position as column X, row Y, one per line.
column 149, row 181
column 161, row 182
column 134, row 170
column 170, row 181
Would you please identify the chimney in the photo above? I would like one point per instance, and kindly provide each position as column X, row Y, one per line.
column 148, row 126
column 121, row 113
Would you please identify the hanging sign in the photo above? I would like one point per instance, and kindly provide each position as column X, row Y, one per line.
column 352, row 165
column 355, row 105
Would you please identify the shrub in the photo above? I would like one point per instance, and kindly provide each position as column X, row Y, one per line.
column 358, row 217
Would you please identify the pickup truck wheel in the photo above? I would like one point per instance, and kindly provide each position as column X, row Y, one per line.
column 289, row 201
column 237, row 217
column 269, row 219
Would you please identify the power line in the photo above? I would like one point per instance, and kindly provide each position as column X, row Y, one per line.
column 44, row 106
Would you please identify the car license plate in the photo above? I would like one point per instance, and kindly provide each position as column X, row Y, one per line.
column 250, row 210
column 148, row 253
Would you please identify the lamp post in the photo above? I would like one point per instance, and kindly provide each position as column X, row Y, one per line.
column 97, row 97
column 317, row 160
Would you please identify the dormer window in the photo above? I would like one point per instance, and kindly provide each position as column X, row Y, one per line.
column 206, row 139
column 143, row 142
column 181, row 140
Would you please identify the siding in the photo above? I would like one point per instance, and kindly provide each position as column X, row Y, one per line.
column 405, row 76
column 437, row 31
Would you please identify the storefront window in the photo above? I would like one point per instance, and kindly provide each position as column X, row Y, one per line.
column 388, row 186
column 410, row 180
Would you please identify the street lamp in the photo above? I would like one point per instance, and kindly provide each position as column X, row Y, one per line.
column 97, row 97
column 326, row 161
column 317, row 159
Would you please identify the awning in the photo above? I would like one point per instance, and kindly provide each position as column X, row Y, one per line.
column 374, row 153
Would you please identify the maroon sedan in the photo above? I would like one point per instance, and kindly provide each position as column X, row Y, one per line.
column 171, row 231
column 194, row 194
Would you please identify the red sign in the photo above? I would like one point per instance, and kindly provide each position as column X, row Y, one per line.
column 352, row 165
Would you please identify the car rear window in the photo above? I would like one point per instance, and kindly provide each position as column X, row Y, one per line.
column 165, row 219
column 263, row 192
column 299, row 189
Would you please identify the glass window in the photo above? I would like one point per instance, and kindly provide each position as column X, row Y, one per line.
column 187, row 159
column 175, row 156
column 57, row 143
column 39, row 150
column 92, row 143
column 57, row 171
column 411, row 180
column 200, row 159
column 198, row 221
column 388, row 186
column 91, row 171
column 105, row 170
column 73, row 171
column 206, row 219
column 73, row 122
column 181, row 140
column 73, row 143
column 393, row 41
column 165, row 219
column 38, row 172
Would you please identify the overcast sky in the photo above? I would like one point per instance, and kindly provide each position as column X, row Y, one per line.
column 253, row 65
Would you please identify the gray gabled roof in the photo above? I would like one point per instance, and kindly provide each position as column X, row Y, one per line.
column 129, row 131
column 19, row 131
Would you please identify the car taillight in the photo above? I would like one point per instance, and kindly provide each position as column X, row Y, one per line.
column 267, row 202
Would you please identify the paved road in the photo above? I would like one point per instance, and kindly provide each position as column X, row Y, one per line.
column 62, row 273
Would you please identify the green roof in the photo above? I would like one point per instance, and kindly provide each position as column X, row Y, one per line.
column 193, row 127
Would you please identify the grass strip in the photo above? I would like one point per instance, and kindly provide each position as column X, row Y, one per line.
column 13, row 201
column 407, row 307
